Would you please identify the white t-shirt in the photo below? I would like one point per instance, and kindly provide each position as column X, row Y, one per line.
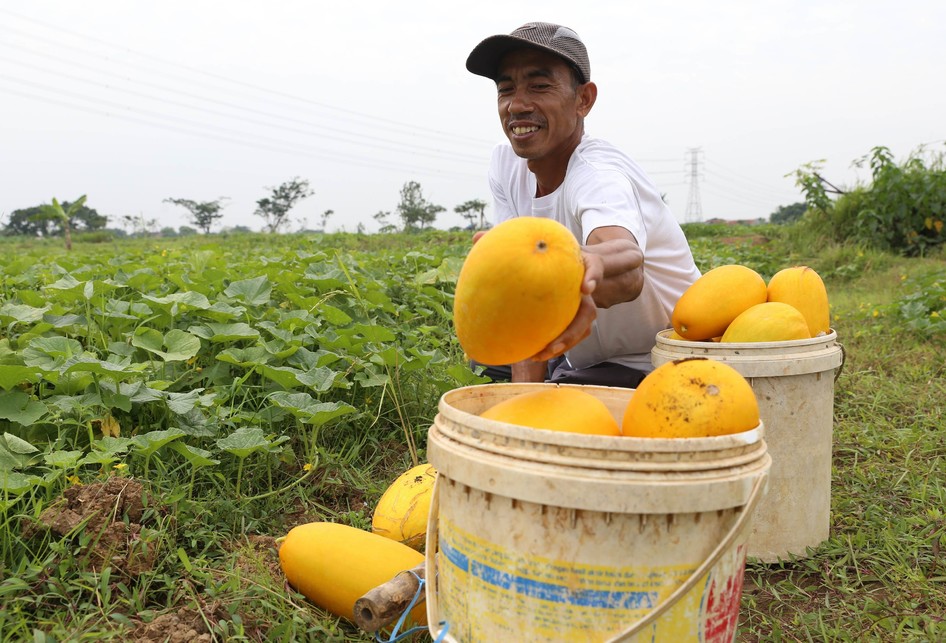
column 604, row 187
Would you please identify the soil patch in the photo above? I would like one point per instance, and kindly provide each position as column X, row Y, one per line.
column 109, row 514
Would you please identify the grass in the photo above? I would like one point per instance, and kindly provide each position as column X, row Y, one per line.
column 881, row 576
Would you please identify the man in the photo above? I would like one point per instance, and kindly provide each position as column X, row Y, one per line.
column 637, row 260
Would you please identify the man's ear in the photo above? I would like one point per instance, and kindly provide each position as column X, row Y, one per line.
column 587, row 94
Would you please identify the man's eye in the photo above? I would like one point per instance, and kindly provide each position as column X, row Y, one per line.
column 504, row 90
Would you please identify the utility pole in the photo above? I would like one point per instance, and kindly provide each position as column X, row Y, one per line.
column 694, row 211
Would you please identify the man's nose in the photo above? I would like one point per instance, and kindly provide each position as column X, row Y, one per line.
column 519, row 102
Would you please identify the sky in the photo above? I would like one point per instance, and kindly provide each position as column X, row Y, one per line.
column 134, row 103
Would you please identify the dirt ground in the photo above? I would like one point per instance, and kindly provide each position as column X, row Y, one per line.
column 112, row 517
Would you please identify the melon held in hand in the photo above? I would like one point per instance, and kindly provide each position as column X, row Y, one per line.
column 518, row 289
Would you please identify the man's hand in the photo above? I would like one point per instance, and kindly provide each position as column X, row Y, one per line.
column 614, row 273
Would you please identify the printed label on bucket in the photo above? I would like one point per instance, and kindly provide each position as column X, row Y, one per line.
column 489, row 593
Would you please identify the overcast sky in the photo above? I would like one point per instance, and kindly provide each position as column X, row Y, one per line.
column 132, row 103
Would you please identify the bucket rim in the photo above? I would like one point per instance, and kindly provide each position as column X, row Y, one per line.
column 564, row 439
column 664, row 338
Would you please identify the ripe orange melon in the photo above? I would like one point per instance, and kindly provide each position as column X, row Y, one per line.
column 803, row 288
column 691, row 398
column 556, row 408
column 708, row 306
column 772, row 321
column 518, row 289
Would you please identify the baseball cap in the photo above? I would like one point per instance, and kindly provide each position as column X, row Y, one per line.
column 559, row 40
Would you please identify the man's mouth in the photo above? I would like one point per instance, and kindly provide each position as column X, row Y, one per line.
column 519, row 130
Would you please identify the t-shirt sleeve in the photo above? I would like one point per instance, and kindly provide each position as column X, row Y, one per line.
column 608, row 198
column 498, row 185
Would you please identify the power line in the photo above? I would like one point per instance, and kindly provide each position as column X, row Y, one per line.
column 201, row 131
column 438, row 153
column 257, row 90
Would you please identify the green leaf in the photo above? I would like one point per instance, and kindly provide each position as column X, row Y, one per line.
column 16, row 483
column 255, row 292
column 183, row 403
column 17, row 406
column 176, row 346
column 189, row 298
column 285, row 376
column 197, row 457
column 50, row 352
column 148, row 443
column 308, row 409
column 374, row 333
column 62, row 459
column 244, row 441
column 68, row 282
column 225, row 332
column 16, row 453
column 64, row 321
column 245, row 357
column 334, row 316
column 319, row 378
column 20, row 314
column 112, row 446
column 86, row 364
column 12, row 376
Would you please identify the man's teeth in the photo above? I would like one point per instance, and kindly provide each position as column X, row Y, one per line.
column 524, row 130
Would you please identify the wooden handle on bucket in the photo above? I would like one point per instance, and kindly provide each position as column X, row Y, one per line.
column 704, row 567
column 384, row 604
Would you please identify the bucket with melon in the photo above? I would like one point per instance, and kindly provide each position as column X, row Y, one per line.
column 776, row 334
column 566, row 512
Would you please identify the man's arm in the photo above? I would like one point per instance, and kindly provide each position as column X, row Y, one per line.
column 614, row 273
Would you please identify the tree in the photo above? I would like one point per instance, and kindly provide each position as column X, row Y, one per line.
column 788, row 213
column 31, row 222
column 414, row 209
column 325, row 217
column 472, row 211
column 55, row 212
column 203, row 213
column 382, row 216
column 275, row 208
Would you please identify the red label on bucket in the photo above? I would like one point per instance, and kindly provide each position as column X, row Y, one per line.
column 722, row 604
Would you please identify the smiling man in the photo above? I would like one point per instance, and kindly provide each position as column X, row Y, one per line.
column 637, row 260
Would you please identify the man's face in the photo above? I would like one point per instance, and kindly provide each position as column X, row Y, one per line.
column 539, row 108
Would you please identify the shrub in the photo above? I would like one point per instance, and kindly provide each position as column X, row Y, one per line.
column 902, row 210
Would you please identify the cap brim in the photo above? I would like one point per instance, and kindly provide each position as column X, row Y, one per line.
column 485, row 58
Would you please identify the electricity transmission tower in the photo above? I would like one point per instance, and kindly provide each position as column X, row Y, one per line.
column 694, row 211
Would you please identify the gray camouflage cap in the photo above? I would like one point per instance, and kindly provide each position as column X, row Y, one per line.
column 561, row 41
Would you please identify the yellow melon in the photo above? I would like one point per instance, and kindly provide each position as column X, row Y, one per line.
column 691, row 398
column 771, row 321
column 803, row 288
column 402, row 511
column 333, row 565
column 518, row 289
column 715, row 299
column 556, row 408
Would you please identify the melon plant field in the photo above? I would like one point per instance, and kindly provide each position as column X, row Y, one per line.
column 170, row 407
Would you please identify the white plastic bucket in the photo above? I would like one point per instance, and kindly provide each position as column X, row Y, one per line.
column 549, row 536
column 794, row 384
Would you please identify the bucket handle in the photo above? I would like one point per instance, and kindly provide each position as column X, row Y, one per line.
column 433, row 606
column 430, row 565
column 700, row 571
